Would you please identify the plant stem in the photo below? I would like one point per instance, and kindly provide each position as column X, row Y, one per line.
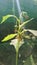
column 16, row 58
column 17, row 50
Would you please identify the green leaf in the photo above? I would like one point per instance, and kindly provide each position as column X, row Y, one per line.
column 8, row 37
column 5, row 18
column 32, row 60
column 26, row 22
column 8, row 16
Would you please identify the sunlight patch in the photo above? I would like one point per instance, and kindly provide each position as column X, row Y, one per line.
column 35, row 2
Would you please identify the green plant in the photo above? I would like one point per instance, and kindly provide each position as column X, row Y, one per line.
column 19, row 33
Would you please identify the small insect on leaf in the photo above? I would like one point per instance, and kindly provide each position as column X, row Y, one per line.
column 8, row 37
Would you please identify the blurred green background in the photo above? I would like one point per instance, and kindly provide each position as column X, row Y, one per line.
column 30, row 6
